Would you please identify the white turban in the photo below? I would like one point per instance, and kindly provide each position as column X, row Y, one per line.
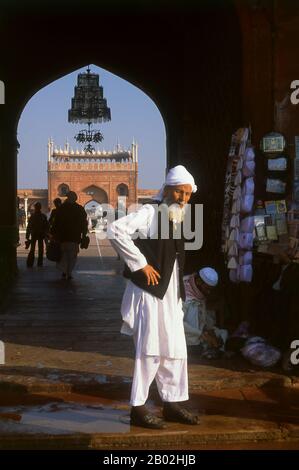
column 177, row 176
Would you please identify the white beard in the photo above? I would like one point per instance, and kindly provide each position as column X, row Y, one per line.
column 176, row 213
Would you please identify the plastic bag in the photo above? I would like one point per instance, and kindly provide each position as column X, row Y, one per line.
column 260, row 353
column 85, row 242
column 53, row 251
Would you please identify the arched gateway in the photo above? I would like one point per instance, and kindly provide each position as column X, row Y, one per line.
column 189, row 64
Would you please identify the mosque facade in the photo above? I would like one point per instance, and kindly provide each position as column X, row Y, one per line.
column 100, row 177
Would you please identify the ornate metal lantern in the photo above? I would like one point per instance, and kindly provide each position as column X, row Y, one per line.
column 89, row 106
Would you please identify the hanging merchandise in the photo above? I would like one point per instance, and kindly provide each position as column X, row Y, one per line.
column 272, row 218
column 275, row 186
column 237, row 224
column 296, row 172
column 273, row 143
column 276, row 162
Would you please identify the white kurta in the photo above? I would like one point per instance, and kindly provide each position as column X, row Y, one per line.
column 156, row 324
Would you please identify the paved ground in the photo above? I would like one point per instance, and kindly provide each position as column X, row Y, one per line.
column 67, row 373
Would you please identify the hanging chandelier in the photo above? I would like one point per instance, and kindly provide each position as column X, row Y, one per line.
column 89, row 107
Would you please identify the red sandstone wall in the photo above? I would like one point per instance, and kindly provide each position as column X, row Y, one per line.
column 147, row 192
column 79, row 179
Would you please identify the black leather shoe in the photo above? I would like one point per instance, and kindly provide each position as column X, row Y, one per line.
column 173, row 412
column 146, row 420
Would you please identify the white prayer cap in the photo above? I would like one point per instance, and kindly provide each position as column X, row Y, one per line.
column 177, row 176
column 209, row 276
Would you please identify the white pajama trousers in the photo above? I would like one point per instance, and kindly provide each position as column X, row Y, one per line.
column 170, row 374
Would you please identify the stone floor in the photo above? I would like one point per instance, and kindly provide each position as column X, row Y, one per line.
column 67, row 373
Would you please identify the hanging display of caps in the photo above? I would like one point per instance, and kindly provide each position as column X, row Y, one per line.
column 248, row 187
column 273, row 142
column 248, row 168
column 245, row 257
column 246, row 273
column 233, row 250
column 247, row 203
column 249, row 153
column 232, row 264
column 247, row 224
column 238, row 201
column 246, row 241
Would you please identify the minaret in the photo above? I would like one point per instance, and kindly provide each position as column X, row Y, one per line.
column 50, row 148
column 134, row 151
column 67, row 146
column 135, row 166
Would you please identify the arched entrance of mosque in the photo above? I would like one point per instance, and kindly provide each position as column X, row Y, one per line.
column 95, row 214
column 209, row 71
column 200, row 105
column 122, row 190
column 189, row 65
column 98, row 177
column 94, row 208
column 63, row 189
column 97, row 194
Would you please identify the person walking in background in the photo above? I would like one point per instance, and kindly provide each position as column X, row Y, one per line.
column 69, row 228
column 57, row 203
column 36, row 231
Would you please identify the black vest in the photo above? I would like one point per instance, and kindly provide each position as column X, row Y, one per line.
column 161, row 255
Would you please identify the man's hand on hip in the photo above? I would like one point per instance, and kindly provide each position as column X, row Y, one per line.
column 151, row 274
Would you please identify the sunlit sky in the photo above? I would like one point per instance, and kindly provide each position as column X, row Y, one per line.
column 133, row 116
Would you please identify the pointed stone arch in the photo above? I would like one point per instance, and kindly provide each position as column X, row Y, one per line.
column 63, row 189
column 122, row 190
column 199, row 109
column 96, row 194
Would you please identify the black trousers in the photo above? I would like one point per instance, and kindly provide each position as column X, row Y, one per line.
column 31, row 254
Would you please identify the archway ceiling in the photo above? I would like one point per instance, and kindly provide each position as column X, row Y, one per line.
column 42, row 50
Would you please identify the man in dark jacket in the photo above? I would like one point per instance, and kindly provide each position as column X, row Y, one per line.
column 69, row 227
column 36, row 231
column 57, row 204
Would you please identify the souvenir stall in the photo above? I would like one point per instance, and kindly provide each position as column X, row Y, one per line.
column 261, row 202
column 276, row 215
column 260, row 242
column 238, row 221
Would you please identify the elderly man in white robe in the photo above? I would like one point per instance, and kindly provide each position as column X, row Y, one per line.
column 152, row 303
